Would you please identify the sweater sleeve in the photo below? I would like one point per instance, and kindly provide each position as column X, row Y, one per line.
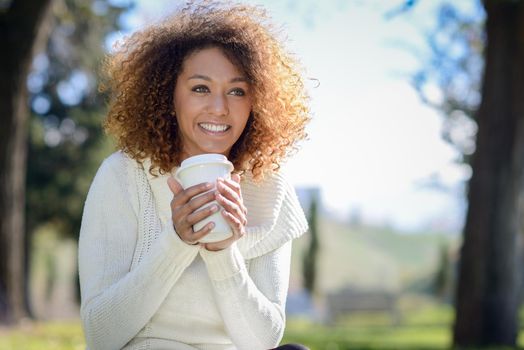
column 252, row 303
column 116, row 302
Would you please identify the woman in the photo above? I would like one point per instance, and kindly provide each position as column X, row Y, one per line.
column 210, row 79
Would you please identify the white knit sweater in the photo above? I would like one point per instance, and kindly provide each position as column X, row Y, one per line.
column 143, row 288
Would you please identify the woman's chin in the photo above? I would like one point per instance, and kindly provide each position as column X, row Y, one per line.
column 212, row 150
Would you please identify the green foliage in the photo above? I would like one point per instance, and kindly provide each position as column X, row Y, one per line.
column 310, row 257
column 454, row 67
column 66, row 143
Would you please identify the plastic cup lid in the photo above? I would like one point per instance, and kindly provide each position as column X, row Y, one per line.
column 205, row 159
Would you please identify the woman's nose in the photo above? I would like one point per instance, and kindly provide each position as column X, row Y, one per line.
column 219, row 105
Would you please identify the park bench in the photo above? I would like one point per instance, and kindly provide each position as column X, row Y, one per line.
column 350, row 301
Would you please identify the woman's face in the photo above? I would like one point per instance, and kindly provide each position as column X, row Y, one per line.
column 212, row 103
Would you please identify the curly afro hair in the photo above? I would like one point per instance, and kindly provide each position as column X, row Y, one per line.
column 141, row 74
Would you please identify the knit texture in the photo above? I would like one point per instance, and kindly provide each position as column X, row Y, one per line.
column 143, row 288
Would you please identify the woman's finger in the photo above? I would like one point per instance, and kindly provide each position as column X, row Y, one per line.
column 231, row 190
column 184, row 196
column 220, row 245
column 174, row 185
column 199, row 201
column 235, row 177
column 198, row 235
column 181, row 226
column 230, row 207
column 233, row 185
column 201, row 214
column 228, row 192
column 236, row 225
column 179, row 213
column 186, row 233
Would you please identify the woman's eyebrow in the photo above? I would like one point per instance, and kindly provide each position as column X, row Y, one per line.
column 205, row 77
column 238, row 79
column 199, row 76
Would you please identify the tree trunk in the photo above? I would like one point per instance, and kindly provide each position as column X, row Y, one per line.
column 23, row 26
column 487, row 294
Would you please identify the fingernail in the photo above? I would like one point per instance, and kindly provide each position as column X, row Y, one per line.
column 209, row 185
column 214, row 208
column 211, row 225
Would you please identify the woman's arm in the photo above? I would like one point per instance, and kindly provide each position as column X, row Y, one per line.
column 252, row 303
column 116, row 302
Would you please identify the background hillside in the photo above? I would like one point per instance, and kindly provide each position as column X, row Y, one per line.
column 372, row 257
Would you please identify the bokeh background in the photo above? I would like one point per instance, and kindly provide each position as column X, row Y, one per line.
column 416, row 236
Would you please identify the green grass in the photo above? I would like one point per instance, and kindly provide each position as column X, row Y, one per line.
column 43, row 336
column 426, row 327
column 339, row 338
column 421, row 328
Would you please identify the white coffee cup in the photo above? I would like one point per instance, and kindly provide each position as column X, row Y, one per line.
column 207, row 168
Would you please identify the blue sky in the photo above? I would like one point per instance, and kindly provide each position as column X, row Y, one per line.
column 372, row 143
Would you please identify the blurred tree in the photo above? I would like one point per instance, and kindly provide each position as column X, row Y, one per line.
column 65, row 139
column 483, row 98
column 23, row 28
column 310, row 257
column 443, row 279
column 66, row 143
column 488, row 275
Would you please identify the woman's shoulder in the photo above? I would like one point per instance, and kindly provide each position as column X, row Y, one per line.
column 118, row 162
column 273, row 181
column 117, row 167
column 118, row 159
column 115, row 176
column 271, row 191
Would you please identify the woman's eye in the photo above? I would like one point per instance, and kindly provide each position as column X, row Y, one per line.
column 200, row 89
column 237, row 92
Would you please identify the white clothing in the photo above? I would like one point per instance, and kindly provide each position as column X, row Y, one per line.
column 144, row 288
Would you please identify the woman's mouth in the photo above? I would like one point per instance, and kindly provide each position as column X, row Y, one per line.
column 214, row 128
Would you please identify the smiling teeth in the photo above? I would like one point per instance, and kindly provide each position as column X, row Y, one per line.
column 214, row 127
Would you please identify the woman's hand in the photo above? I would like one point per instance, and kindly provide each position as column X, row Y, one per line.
column 229, row 196
column 186, row 209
